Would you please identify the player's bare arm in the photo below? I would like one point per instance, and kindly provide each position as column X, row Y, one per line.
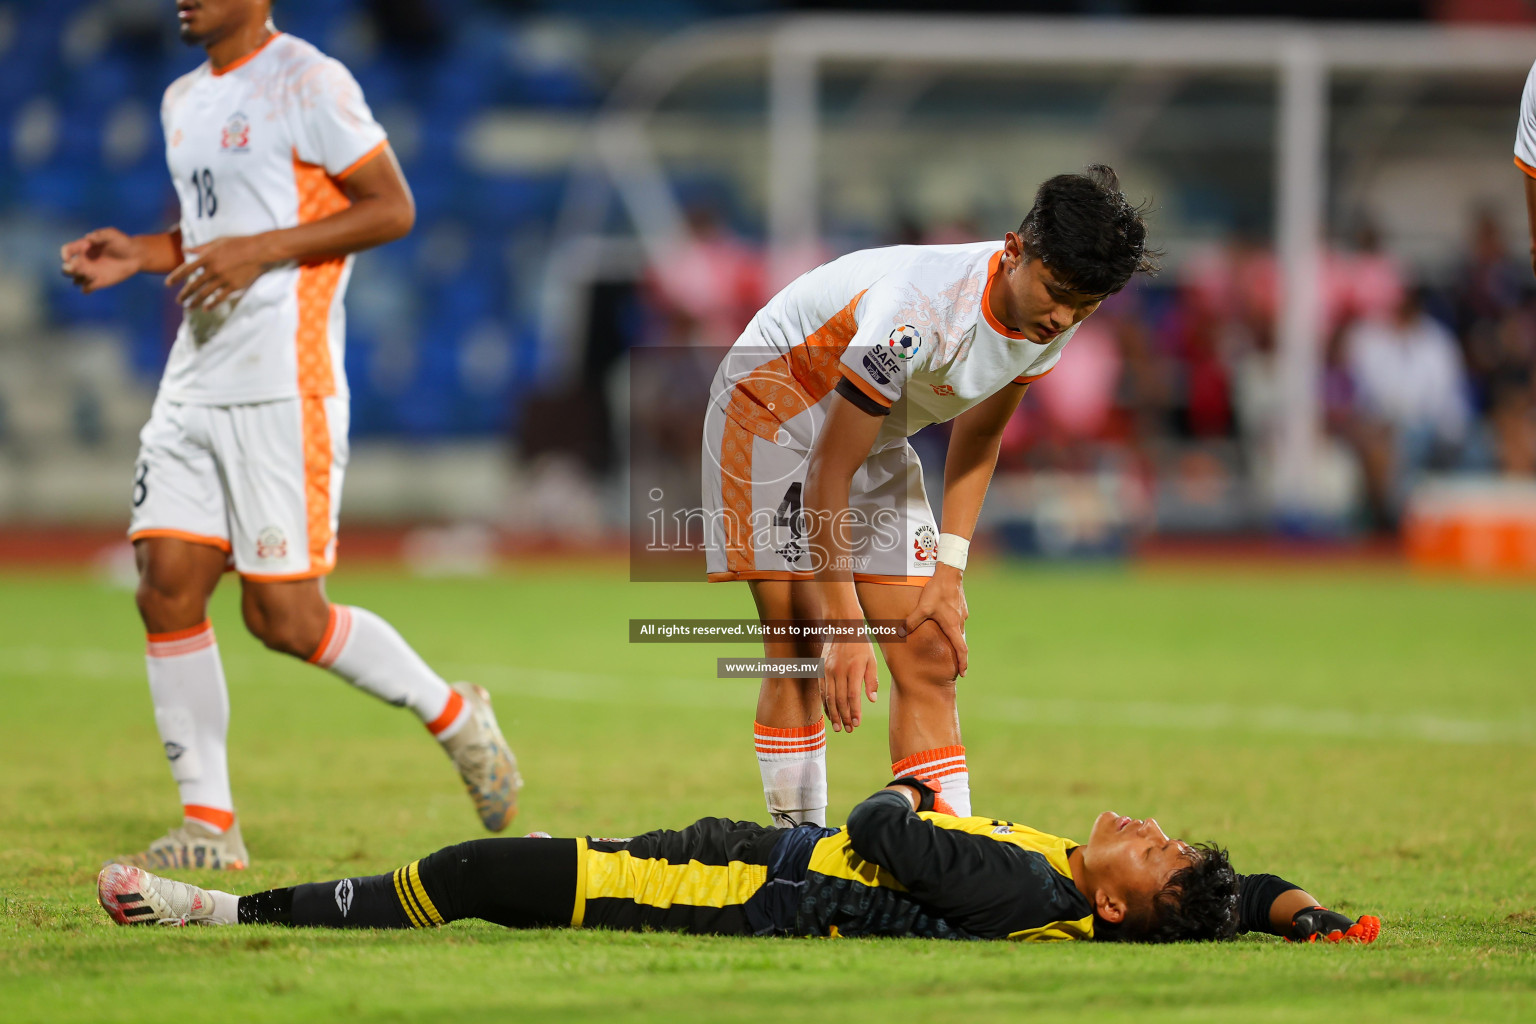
column 1530, row 214
column 107, row 256
column 381, row 211
column 973, row 446
column 844, row 444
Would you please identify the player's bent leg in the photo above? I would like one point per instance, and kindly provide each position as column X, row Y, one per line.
column 517, row 883
column 925, row 723
column 294, row 616
column 789, row 733
column 186, row 684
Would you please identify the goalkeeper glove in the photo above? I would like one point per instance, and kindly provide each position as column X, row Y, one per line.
column 927, row 790
column 1321, row 923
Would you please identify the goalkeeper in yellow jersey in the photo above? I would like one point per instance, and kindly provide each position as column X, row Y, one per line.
column 899, row 867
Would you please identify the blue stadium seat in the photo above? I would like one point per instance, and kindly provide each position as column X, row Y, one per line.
column 57, row 189
column 141, row 199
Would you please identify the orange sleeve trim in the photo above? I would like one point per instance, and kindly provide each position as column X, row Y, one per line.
column 1527, row 168
column 190, row 538
column 308, row 574
column 1031, row 380
column 864, row 386
column 227, row 68
column 180, row 634
column 355, row 164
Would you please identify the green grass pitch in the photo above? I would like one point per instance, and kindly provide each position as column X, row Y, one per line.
column 1369, row 734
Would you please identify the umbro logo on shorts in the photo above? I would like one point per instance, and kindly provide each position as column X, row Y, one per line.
column 344, row 896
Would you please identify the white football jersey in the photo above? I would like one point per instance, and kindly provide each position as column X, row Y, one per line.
column 260, row 145
column 908, row 326
column 1525, row 131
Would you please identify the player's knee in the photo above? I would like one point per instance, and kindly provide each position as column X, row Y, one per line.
column 281, row 631
column 166, row 604
column 929, row 656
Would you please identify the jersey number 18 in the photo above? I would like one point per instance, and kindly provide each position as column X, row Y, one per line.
column 207, row 202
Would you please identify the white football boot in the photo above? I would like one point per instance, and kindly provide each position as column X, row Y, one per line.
column 134, row 896
column 484, row 760
column 193, row 845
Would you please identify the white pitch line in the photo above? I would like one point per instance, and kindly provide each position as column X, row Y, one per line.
column 1518, row 728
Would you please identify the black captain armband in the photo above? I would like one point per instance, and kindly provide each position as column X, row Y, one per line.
column 850, row 391
column 925, row 791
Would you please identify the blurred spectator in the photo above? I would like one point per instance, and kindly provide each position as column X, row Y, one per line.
column 1363, row 282
column 709, row 288
column 1410, row 402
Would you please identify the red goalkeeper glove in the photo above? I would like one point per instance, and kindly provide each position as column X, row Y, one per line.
column 1321, row 923
column 927, row 790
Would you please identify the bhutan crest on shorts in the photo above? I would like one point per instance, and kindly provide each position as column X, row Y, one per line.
column 925, row 546
column 271, row 543
column 905, row 341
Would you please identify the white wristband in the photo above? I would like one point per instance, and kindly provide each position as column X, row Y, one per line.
column 953, row 550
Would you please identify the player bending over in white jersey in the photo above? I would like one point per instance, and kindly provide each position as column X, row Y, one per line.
column 814, row 495
column 282, row 173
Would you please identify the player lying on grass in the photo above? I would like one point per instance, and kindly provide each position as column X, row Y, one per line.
column 897, row 868
column 815, row 497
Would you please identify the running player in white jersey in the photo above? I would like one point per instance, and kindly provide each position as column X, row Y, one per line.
column 282, row 173
column 1525, row 153
column 814, row 496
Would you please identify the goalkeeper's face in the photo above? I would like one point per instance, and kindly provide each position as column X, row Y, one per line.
column 1128, row 861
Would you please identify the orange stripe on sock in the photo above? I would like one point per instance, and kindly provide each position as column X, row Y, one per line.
column 180, row 642
column 450, row 714
column 926, row 757
column 219, row 819
column 766, row 731
column 338, row 628
column 181, row 634
column 798, row 748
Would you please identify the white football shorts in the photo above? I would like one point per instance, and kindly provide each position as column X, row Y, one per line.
column 755, row 529
column 261, row 482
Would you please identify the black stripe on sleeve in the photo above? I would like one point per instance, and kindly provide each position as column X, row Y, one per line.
column 849, row 390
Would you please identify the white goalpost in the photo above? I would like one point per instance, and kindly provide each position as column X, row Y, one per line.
column 796, row 51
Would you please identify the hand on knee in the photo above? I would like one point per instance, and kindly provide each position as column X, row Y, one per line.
column 930, row 657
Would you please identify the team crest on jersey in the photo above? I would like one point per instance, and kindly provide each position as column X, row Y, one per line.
column 925, row 547
column 271, row 543
column 236, row 136
column 904, row 341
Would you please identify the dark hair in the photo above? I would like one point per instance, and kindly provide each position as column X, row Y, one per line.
column 1197, row 903
column 1087, row 232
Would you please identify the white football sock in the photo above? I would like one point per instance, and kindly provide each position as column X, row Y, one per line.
column 186, row 683
column 946, row 766
column 367, row 652
column 793, row 763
